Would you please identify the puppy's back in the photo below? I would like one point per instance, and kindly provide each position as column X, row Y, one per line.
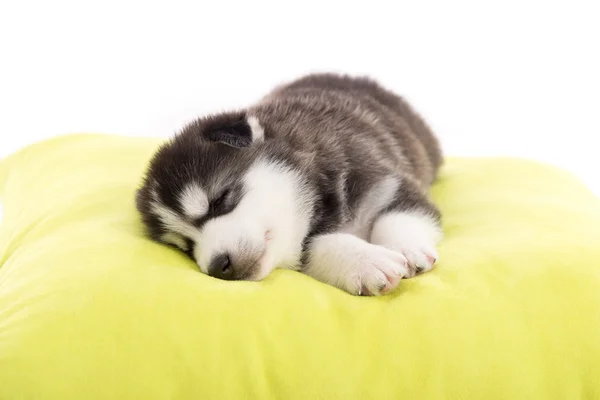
column 395, row 126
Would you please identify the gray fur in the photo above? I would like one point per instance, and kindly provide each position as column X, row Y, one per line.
column 348, row 134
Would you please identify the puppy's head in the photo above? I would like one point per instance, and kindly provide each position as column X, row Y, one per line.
column 214, row 193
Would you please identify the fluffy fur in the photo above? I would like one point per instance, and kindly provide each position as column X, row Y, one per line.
column 327, row 174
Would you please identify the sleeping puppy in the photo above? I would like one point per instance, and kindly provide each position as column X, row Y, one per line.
column 327, row 175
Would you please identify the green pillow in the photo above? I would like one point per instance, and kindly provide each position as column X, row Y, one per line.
column 91, row 309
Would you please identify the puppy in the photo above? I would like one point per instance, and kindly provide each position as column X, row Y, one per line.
column 327, row 175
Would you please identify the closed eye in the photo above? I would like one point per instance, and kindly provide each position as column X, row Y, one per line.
column 218, row 202
column 221, row 205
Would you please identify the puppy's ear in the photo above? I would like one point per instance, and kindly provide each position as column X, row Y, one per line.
column 234, row 129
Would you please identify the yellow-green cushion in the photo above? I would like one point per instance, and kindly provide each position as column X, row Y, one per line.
column 90, row 309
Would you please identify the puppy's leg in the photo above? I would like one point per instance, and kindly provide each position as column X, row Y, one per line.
column 354, row 265
column 410, row 225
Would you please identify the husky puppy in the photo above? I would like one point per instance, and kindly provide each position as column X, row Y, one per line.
column 327, row 175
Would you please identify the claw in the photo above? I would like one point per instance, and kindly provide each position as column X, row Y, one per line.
column 364, row 291
column 431, row 259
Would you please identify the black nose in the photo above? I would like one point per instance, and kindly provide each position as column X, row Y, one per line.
column 220, row 267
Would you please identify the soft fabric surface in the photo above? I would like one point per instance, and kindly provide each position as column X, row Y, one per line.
column 90, row 309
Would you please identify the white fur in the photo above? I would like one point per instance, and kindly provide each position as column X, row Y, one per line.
column 172, row 221
column 412, row 233
column 271, row 219
column 374, row 200
column 354, row 265
column 194, row 201
column 258, row 133
column 175, row 239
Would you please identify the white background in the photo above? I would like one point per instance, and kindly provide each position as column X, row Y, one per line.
column 513, row 78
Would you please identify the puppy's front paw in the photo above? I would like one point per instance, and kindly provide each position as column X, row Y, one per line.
column 421, row 257
column 377, row 271
column 414, row 235
column 356, row 266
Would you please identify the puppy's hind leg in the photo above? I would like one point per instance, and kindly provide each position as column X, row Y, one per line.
column 410, row 225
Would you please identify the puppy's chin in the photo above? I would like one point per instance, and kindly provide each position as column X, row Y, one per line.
column 266, row 265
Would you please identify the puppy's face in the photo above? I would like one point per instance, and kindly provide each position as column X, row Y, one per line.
column 211, row 194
